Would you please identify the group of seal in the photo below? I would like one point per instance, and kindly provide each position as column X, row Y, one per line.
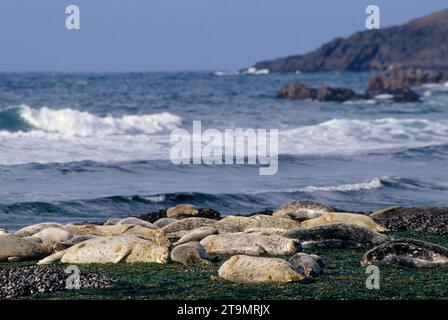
column 185, row 237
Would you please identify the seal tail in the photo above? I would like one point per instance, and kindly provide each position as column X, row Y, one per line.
column 52, row 258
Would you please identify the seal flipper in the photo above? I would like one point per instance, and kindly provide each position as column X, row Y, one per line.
column 122, row 253
column 15, row 259
column 52, row 258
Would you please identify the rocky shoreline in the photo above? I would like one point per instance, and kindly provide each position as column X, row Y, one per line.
column 268, row 246
column 23, row 281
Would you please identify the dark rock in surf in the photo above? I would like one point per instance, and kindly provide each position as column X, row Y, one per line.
column 403, row 80
column 300, row 91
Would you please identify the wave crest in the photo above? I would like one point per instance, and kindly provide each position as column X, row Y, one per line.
column 73, row 123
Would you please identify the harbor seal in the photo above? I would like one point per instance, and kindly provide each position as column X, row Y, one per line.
column 131, row 221
column 125, row 248
column 359, row 219
column 52, row 236
column 182, row 210
column 302, row 210
column 119, row 229
column 15, row 248
column 190, row 253
column 163, row 222
column 35, row 228
column 250, row 244
column 276, row 231
column 197, row 235
column 306, row 264
column 75, row 240
column 261, row 221
column 3, row 232
column 383, row 213
column 247, row 269
column 182, row 227
column 407, row 252
column 337, row 235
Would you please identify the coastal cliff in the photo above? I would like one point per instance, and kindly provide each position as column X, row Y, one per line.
column 420, row 43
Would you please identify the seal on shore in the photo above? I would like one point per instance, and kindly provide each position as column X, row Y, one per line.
column 261, row 221
column 383, row 213
column 131, row 221
column 302, row 210
column 182, row 210
column 197, row 235
column 359, row 219
column 35, row 228
column 250, row 244
column 247, row 269
column 15, row 248
column 163, row 222
column 306, row 264
column 157, row 235
column 125, row 248
column 266, row 231
column 75, row 240
column 182, row 227
column 407, row 252
column 3, row 232
column 190, row 253
column 337, row 235
column 52, row 236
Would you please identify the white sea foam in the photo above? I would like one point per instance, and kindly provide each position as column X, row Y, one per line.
column 347, row 136
column 255, row 71
column 68, row 135
column 226, row 73
column 358, row 186
column 74, row 123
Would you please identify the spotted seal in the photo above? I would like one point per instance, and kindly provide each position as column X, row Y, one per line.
column 35, row 228
column 359, row 219
column 302, row 210
column 190, row 253
column 248, row 269
column 197, row 235
column 250, row 244
column 407, row 252
column 15, row 248
column 261, row 221
column 337, row 235
column 306, row 264
column 182, row 227
column 124, row 248
column 132, row 221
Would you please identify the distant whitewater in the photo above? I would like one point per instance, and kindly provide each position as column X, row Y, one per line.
column 92, row 146
column 146, row 136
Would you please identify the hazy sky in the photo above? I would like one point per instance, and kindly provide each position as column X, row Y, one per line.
column 146, row 35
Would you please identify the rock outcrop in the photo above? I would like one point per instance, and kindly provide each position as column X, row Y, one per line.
column 397, row 81
column 300, row 91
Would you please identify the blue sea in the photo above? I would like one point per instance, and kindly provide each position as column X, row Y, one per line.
column 86, row 147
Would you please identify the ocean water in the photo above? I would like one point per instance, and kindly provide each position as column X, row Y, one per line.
column 76, row 147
